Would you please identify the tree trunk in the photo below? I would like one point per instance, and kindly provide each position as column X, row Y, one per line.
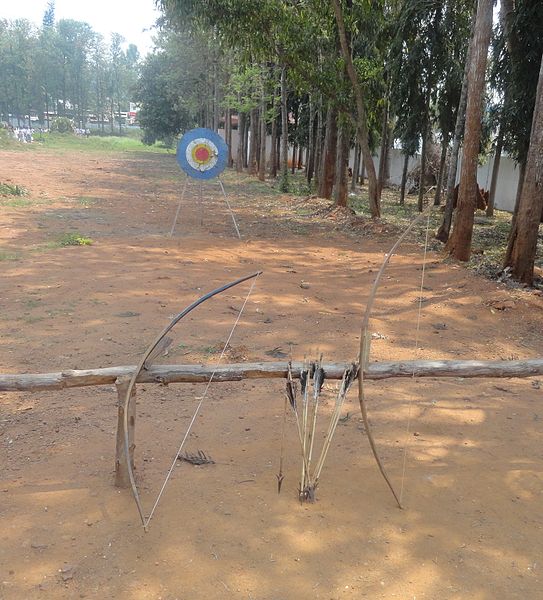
column 310, row 158
column 263, row 128
column 361, row 117
column 284, row 131
column 328, row 160
column 513, row 230
column 318, row 145
column 523, row 237
column 215, row 96
column 253, row 148
column 300, row 164
column 442, row 162
column 273, row 148
column 404, row 178
column 495, row 170
column 241, row 139
column 342, row 163
column 384, row 145
column 445, row 227
column 459, row 244
column 356, row 167
column 423, row 153
column 362, row 176
column 228, row 135
column 246, row 142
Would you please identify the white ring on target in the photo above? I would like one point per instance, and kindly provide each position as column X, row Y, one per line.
column 213, row 154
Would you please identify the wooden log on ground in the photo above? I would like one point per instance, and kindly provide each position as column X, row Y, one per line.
column 265, row 370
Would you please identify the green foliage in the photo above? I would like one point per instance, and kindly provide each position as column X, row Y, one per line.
column 74, row 239
column 61, row 125
column 63, row 69
column 284, row 185
column 524, row 42
column 69, row 143
column 427, row 65
column 9, row 189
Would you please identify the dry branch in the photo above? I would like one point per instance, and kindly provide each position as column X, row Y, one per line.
column 267, row 370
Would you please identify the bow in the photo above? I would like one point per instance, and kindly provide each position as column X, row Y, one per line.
column 364, row 353
column 151, row 351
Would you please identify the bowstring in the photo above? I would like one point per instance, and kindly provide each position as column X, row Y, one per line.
column 199, row 406
column 417, row 331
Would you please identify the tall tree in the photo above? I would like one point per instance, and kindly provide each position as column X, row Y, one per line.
column 459, row 244
column 523, row 237
column 362, row 128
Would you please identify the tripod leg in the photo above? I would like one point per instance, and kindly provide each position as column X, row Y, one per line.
column 229, row 207
column 179, row 206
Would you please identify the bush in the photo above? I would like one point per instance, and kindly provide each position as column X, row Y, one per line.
column 62, row 125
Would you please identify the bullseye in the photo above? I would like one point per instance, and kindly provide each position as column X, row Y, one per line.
column 202, row 154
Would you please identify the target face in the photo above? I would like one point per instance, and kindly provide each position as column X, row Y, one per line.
column 202, row 153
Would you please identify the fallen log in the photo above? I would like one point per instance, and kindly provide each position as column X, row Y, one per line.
column 165, row 374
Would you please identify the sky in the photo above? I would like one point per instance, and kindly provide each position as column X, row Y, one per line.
column 133, row 19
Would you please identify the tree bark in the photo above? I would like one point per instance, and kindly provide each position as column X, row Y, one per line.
column 384, row 145
column 228, row 134
column 165, row 374
column 356, row 167
column 318, row 145
column 262, row 137
column 284, row 131
column 459, row 244
column 522, row 249
column 423, row 153
column 404, row 178
column 253, row 148
column 328, row 160
column 241, row 142
column 495, row 170
column 361, row 117
column 445, row 227
column 274, row 138
column 442, row 162
column 342, row 163
column 310, row 159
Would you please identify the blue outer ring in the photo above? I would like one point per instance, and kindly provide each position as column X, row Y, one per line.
column 209, row 134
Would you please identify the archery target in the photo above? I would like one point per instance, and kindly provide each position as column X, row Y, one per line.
column 202, row 153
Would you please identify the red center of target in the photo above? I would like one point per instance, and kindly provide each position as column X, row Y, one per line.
column 202, row 154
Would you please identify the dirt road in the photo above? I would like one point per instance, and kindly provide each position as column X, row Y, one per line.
column 472, row 484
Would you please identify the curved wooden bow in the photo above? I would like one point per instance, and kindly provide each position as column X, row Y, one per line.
column 364, row 352
column 140, row 366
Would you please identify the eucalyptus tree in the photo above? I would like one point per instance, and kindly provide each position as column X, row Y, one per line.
column 459, row 243
column 523, row 26
column 163, row 113
column 361, row 118
column 169, row 90
column 259, row 31
column 523, row 238
column 428, row 54
column 523, row 36
column 17, row 50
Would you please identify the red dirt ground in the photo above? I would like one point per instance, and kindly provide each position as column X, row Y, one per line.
column 473, row 482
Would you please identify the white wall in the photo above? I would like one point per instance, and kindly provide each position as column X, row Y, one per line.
column 506, row 187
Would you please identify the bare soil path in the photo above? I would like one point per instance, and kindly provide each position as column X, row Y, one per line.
column 473, row 481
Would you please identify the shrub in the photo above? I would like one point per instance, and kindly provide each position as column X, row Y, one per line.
column 62, row 125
